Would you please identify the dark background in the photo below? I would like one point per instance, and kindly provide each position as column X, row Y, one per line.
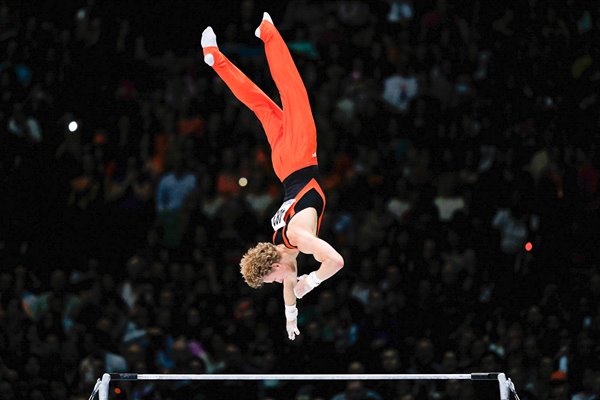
column 449, row 138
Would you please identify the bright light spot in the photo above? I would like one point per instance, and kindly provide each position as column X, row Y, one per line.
column 117, row 390
column 243, row 181
column 528, row 246
column 73, row 126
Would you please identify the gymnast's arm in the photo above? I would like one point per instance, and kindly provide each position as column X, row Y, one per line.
column 291, row 312
column 288, row 291
column 331, row 261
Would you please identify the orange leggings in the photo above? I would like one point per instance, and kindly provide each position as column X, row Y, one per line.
column 291, row 132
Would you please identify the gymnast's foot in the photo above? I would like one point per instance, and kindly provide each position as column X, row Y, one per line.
column 266, row 17
column 209, row 44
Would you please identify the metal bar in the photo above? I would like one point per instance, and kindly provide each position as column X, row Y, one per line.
column 292, row 377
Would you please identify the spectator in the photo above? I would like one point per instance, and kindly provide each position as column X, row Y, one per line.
column 24, row 127
column 513, row 230
column 400, row 89
column 172, row 198
column 447, row 202
column 356, row 389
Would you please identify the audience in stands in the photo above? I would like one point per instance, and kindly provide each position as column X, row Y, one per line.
column 450, row 135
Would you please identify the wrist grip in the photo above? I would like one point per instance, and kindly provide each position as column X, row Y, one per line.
column 291, row 312
column 312, row 280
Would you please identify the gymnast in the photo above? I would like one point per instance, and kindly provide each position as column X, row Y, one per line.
column 292, row 136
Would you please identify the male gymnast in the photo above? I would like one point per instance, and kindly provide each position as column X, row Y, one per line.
column 292, row 136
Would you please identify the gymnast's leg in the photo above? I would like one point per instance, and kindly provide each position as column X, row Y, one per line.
column 269, row 113
column 299, row 131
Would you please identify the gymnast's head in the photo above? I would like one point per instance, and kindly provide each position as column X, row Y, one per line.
column 266, row 263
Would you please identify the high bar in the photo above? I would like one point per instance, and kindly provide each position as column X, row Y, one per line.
column 294, row 377
column 101, row 387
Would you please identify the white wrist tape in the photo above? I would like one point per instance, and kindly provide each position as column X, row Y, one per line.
column 291, row 312
column 312, row 280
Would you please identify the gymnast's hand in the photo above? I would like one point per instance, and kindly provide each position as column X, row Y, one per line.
column 291, row 317
column 301, row 288
column 292, row 329
column 305, row 284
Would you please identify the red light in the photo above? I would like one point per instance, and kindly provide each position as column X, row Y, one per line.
column 117, row 390
column 528, row 246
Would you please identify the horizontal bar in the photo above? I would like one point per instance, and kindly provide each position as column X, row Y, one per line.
column 306, row 377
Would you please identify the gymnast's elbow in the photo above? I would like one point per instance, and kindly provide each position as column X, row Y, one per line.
column 337, row 261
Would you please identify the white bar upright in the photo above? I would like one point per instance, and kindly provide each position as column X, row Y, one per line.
column 103, row 393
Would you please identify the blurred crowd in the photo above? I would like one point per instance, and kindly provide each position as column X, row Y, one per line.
column 459, row 148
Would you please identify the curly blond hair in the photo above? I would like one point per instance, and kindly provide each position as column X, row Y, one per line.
column 258, row 262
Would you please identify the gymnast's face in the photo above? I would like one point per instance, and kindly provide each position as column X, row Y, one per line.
column 279, row 272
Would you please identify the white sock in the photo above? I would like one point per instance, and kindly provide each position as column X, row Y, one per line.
column 267, row 17
column 209, row 39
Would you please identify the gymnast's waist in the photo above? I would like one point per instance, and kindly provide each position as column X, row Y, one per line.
column 294, row 183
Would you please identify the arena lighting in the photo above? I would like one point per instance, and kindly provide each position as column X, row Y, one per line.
column 73, row 126
column 243, row 181
column 506, row 386
column 528, row 246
